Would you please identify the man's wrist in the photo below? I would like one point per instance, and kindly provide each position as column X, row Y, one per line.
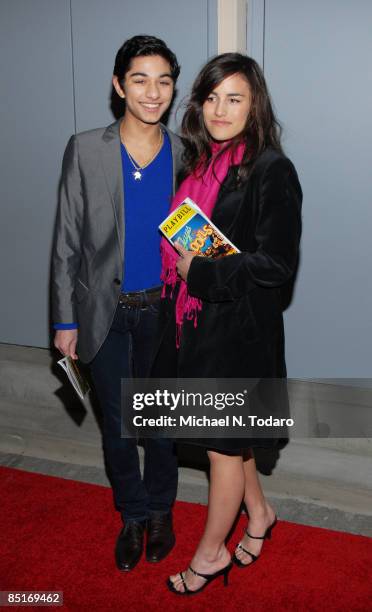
column 63, row 326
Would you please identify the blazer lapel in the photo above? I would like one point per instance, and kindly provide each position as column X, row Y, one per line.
column 111, row 160
column 177, row 149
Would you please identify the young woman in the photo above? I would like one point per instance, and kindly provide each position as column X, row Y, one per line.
column 225, row 316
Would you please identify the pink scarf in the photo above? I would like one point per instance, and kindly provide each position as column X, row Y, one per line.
column 204, row 191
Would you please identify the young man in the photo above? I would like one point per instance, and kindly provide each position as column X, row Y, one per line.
column 116, row 188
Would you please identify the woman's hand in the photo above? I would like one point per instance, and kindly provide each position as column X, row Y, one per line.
column 184, row 262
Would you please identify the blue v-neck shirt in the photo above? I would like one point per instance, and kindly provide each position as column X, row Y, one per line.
column 147, row 203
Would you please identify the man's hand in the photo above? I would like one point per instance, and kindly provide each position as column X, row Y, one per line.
column 65, row 341
column 184, row 262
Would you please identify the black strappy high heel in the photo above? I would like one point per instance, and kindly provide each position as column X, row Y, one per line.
column 266, row 536
column 207, row 577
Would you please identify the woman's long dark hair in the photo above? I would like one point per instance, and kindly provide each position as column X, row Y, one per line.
column 262, row 129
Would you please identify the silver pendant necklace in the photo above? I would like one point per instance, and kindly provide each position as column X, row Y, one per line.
column 138, row 170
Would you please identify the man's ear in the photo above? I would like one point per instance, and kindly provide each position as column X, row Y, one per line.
column 118, row 88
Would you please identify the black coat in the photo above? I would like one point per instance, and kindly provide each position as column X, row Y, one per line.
column 239, row 332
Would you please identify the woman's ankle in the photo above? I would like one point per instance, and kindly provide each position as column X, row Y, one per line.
column 211, row 554
column 261, row 511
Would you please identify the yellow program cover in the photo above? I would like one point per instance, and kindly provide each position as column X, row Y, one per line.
column 176, row 220
column 191, row 228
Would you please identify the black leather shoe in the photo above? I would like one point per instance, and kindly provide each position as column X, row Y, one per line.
column 160, row 536
column 129, row 545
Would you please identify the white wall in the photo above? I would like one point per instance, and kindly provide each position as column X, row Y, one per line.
column 316, row 57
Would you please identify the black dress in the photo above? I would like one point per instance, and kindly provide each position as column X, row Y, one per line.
column 239, row 332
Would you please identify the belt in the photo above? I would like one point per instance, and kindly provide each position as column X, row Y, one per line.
column 140, row 299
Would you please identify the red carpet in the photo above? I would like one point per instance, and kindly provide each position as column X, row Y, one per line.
column 59, row 535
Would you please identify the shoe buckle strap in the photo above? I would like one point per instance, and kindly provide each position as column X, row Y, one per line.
column 205, row 576
column 254, row 557
column 255, row 537
column 187, row 590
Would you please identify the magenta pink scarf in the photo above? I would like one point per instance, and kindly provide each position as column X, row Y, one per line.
column 204, row 191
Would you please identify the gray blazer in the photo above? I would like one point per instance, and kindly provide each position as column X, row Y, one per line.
column 88, row 249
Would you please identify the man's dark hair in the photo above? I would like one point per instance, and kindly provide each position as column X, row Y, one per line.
column 143, row 45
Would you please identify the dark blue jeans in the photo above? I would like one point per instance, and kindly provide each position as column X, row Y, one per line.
column 127, row 352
